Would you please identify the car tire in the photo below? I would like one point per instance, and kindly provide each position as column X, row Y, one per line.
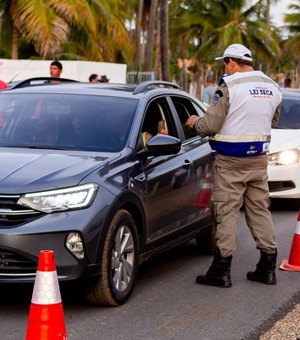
column 206, row 243
column 119, row 263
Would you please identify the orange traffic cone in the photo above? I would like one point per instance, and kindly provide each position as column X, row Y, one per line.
column 205, row 191
column 293, row 263
column 46, row 316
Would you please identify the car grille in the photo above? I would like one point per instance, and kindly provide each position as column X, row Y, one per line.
column 281, row 186
column 13, row 214
column 15, row 264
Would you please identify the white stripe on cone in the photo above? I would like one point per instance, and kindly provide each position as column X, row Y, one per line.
column 297, row 231
column 46, row 289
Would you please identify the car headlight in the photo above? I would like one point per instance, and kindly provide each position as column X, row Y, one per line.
column 285, row 157
column 59, row 200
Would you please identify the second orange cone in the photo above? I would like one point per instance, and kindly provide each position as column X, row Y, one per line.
column 293, row 263
column 46, row 316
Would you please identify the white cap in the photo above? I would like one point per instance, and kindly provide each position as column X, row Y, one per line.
column 237, row 51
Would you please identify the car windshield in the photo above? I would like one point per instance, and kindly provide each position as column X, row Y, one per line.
column 289, row 113
column 63, row 121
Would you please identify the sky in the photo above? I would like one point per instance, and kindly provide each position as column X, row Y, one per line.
column 279, row 10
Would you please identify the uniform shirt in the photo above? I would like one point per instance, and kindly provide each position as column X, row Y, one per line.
column 215, row 119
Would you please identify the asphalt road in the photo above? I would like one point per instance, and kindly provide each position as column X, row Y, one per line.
column 168, row 304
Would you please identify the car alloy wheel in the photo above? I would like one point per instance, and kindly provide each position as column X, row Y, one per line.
column 122, row 260
column 119, row 262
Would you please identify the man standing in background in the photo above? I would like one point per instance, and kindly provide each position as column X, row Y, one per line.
column 56, row 69
column 209, row 90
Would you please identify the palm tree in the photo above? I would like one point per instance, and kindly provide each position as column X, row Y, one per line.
column 268, row 10
column 113, row 41
column 164, row 39
column 293, row 19
column 150, row 35
column 38, row 24
column 215, row 24
column 86, row 29
column 45, row 23
column 292, row 44
column 138, row 37
column 147, row 28
column 237, row 23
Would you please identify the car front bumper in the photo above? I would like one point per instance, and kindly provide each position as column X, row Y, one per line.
column 19, row 257
column 284, row 181
column 20, row 246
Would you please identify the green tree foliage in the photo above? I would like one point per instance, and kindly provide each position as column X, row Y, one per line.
column 132, row 32
column 83, row 29
column 215, row 24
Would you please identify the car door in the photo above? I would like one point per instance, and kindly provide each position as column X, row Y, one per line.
column 167, row 181
column 200, row 153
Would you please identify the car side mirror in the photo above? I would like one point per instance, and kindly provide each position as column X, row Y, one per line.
column 160, row 145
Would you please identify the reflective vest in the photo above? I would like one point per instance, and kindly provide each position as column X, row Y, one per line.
column 253, row 99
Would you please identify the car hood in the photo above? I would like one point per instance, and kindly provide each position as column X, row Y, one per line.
column 24, row 171
column 282, row 139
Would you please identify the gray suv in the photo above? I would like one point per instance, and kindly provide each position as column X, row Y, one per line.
column 78, row 177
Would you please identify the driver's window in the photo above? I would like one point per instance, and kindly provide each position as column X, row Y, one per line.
column 157, row 120
column 152, row 118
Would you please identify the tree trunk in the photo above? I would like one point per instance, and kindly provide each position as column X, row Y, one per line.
column 138, row 42
column 164, row 39
column 268, row 12
column 158, row 52
column 150, row 35
column 14, row 43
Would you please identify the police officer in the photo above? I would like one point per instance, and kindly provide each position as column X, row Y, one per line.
column 245, row 107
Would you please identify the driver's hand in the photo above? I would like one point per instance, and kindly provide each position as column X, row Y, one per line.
column 163, row 131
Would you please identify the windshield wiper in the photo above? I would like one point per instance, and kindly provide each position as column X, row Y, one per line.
column 35, row 147
column 46, row 147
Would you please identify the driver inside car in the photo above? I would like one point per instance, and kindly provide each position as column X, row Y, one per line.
column 162, row 129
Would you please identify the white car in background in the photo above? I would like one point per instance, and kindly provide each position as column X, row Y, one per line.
column 284, row 155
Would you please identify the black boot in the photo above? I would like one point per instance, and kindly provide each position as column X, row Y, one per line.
column 265, row 269
column 218, row 273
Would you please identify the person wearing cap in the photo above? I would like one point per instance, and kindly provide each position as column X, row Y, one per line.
column 238, row 122
column 103, row 79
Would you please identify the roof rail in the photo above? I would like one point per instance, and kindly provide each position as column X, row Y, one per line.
column 39, row 81
column 146, row 85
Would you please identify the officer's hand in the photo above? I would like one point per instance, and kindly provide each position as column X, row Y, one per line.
column 191, row 120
